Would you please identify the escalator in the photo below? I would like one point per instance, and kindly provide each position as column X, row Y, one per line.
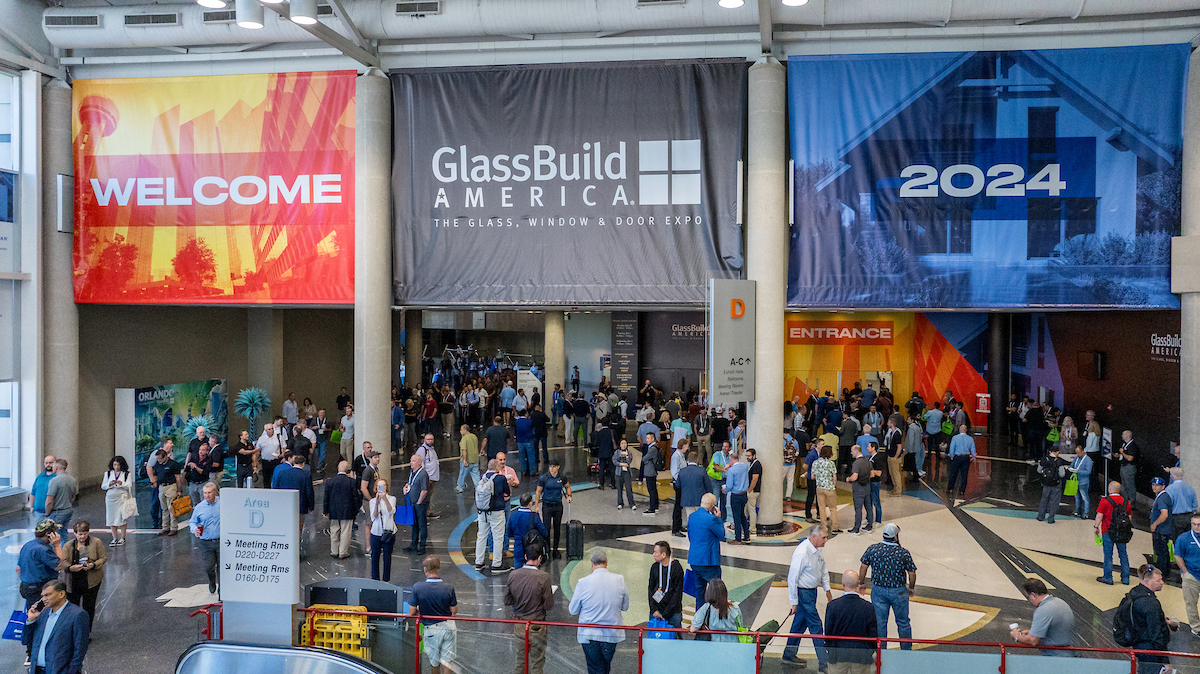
column 217, row 657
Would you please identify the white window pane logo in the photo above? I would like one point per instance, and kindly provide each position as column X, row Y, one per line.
column 669, row 178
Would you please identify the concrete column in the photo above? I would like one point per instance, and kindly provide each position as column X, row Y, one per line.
column 999, row 356
column 1185, row 280
column 373, row 265
column 766, row 257
column 60, row 410
column 414, row 345
column 556, row 356
column 264, row 357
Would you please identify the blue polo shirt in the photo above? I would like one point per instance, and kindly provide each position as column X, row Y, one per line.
column 552, row 487
column 40, row 486
column 433, row 597
column 38, row 562
column 1187, row 547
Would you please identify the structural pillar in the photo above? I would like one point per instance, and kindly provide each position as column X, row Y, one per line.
column 999, row 356
column 60, row 409
column 264, row 358
column 373, row 266
column 1185, row 280
column 414, row 347
column 556, row 356
column 766, row 263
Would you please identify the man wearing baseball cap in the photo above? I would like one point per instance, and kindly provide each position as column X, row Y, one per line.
column 891, row 566
column 1160, row 524
column 40, row 561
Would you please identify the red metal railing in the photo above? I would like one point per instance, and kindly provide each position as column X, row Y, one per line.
column 1131, row 653
column 209, row 625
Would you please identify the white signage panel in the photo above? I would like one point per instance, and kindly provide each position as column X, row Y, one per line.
column 731, row 341
column 260, row 551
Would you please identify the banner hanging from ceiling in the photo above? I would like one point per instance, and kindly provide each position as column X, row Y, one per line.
column 986, row 179
column 234, row 189
column 582, row 184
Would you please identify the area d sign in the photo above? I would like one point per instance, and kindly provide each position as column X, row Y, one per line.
column 260, row 552
column 730, row 341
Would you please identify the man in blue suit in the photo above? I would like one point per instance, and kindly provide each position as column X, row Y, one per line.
column 299, row 479
column 56, row 633
column 705, row 533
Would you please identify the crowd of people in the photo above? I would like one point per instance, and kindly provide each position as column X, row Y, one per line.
column 862, row 437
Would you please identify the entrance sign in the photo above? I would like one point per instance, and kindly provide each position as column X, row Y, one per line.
column 260, row 547
column 731, row 340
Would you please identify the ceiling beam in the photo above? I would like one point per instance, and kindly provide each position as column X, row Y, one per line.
column 765, row 24
column 331, row 37
column 342, row 16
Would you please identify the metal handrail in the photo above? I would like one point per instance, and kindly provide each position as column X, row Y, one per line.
column 1131, row 653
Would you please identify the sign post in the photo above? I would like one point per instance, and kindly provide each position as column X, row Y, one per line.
column 260, row 560
column 731, row 340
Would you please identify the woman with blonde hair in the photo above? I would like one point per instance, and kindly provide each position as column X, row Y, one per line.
column 1068, row 435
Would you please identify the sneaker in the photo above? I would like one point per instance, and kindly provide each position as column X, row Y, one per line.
column 112, row 543
column 480, row 567
column 457, row 490
column 619, row 506
column 434, row 516
column 648, row 511
column 500, row 569
column 921, row 473
column 121, row 542
column 212, row 587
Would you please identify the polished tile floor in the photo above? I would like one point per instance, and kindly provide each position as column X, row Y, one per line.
column 971, row 559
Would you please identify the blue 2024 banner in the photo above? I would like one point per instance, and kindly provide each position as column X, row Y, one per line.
column 986, row 179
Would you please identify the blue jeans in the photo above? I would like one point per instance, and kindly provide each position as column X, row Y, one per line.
column 473, row 469
column 599, row 655
column 718, row 486
column 1083, row 503
column 62, row 518
column 895, row 598
column 320, row 455
column 741, row 520
column 876, row 504
column 806, row 620
column 420, row 529
column 1108, row 555
column 919, row 457
column 862, row 504
column 528, row 453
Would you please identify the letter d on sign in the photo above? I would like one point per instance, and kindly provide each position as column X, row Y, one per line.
column 256, row 519
column 737, row 308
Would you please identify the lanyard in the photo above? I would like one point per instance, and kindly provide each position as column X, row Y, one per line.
column 664, row 571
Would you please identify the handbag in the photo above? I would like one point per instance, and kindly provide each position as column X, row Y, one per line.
column 704, row 625
column 405, row 514
column 335, row 437
column 1071, row 488
column 743, row 638
column 181, row 506
column 947, row 426
column 659, row 623
column 691, row 584
column 129, row 507
column 1053, row 435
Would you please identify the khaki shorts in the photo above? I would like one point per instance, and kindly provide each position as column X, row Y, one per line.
column 439, row 640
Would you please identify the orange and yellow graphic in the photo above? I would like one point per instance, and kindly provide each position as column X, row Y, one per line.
column 215, row 190
column 940, row 367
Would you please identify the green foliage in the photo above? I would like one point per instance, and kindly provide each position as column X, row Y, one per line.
column 1147, row 248
column 251, row 403
column 189, row 430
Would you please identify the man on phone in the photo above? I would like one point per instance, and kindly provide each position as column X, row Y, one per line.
column 56, row 632
column 40, row 561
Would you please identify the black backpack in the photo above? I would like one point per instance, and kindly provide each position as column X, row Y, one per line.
column 533, row 537
column 1125, row 631
column 660, row 460
column 1120, row 530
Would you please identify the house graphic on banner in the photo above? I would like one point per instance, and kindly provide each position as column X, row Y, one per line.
column 1002, row 179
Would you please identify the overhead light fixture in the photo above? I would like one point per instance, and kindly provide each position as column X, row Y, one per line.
column 249, row 14
column 304, row 12
column 212, row 4
column 795, row 3
column 270, row 2
column 731, row 4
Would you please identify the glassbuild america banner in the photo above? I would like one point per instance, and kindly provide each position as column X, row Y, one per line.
column 986, row 179
column 233, row 189
column 583, row 184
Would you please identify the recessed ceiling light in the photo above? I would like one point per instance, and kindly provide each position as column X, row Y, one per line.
column 795, row 3
column 731, row 4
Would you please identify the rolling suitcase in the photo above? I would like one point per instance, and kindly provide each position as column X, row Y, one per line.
column 574, row 537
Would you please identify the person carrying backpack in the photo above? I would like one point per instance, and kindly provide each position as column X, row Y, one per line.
column 1115, row 529
column 491, row 493
column 526, row 529
column 1139, row 621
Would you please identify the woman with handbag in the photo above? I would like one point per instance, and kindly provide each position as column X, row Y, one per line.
column 85, row 571
column 717, row 613
column 383, row 530
column 1081, row 473
column 119, row 503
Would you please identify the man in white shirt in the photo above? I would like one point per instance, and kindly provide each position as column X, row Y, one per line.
column 806, row 573
column 269, row 448
column 291, row 411
column 429, row 461
column 599, row 599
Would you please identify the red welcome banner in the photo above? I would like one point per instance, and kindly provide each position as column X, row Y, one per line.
column 215, row 190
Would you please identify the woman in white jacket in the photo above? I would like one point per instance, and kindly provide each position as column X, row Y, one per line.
column 383, row 531
column 119, row 502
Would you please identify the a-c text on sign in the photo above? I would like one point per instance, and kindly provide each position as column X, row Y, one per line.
column 731, row 340
column 845, row 333
column 260, row 550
